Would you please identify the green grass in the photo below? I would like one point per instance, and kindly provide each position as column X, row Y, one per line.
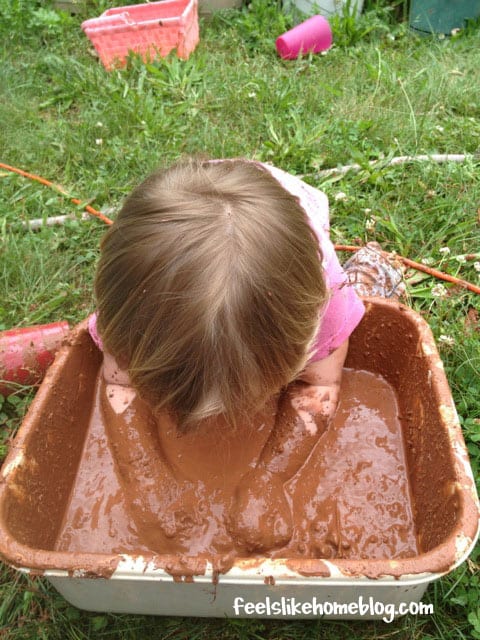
column 380, row 92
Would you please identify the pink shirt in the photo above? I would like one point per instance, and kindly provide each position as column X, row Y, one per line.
column 344, row 309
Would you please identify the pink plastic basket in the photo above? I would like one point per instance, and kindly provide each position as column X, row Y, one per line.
column 148, row 29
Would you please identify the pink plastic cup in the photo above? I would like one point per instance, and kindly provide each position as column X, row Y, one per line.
column 313, row 35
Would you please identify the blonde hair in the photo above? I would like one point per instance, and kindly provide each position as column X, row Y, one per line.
column 209, row 287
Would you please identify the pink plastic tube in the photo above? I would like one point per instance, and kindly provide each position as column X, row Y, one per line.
column 313, row 35
column 26, row 354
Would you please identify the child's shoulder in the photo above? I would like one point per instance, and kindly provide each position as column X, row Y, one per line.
column 315, row 204
column 313, row 201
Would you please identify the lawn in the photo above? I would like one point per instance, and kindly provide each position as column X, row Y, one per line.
column 380, row 92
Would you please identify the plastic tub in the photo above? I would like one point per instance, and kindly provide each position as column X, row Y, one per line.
column 149, row 29
column 43, row 465
column 442, row 16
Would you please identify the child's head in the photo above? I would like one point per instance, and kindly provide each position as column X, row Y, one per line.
column 209, row 288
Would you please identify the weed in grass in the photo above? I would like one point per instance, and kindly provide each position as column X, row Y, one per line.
column 260, row 23
column 12, row 410
column 348, row 28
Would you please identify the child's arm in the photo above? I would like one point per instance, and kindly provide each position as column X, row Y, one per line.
column 112, row 374
column 303, row 415
column 119, row 389
column 156, row 499
column 323, row 378
column 261, row 516
column 161, row 506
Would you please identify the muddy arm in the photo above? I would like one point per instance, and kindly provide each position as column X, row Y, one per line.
column 260, row 517
column 153, row 495
column 303, row 414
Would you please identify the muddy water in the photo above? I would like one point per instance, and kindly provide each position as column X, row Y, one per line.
column 173, row 493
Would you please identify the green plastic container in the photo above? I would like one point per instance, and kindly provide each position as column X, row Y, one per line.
column 442, row 16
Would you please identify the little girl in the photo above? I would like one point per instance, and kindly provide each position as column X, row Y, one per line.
column 217, row 288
